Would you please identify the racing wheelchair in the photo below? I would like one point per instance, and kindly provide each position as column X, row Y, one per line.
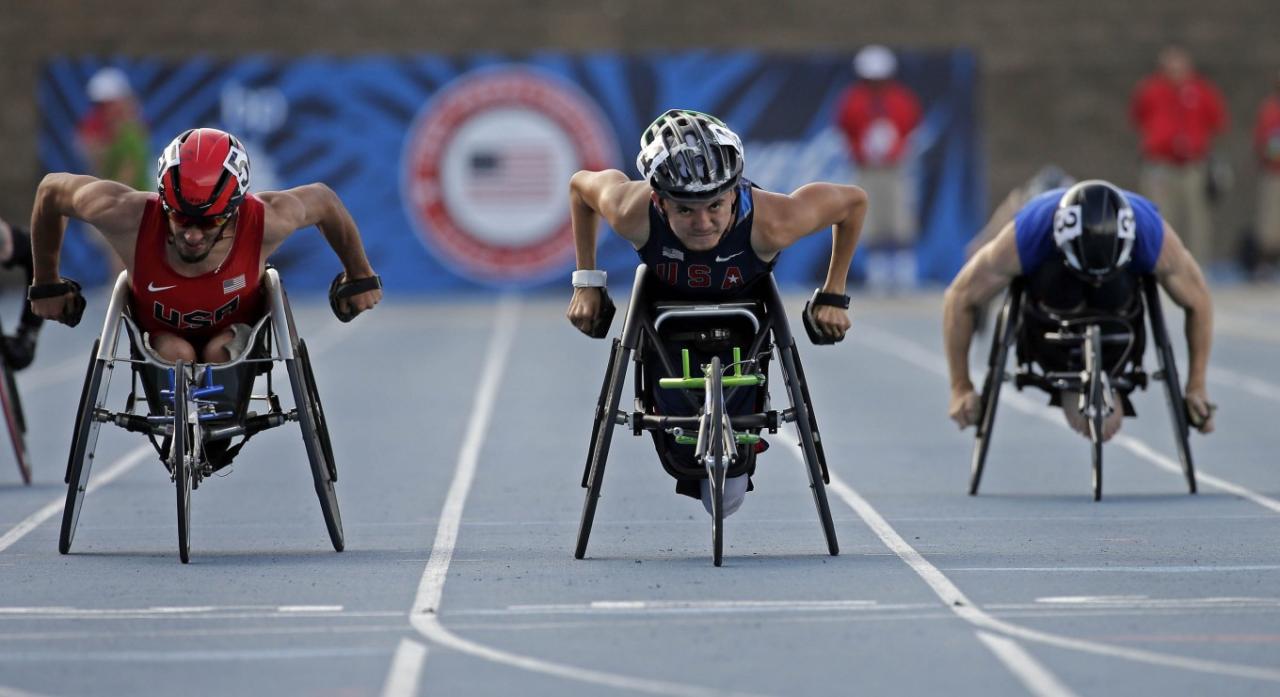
column 1100, row 352
column 195, row 410
column 727, row 395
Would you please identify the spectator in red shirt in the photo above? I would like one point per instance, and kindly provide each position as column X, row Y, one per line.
column 1266, row 143
column 878, row 115
column 1178, row 113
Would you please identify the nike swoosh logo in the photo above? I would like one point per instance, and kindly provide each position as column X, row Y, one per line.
column 156, row 289
column 720, row 259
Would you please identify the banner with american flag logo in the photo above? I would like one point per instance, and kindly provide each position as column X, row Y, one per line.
column 456, row 167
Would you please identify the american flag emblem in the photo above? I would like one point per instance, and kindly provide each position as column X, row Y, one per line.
column 232, row 285
column 507, row 172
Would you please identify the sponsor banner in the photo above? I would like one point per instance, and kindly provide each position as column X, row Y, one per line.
column 456, row 168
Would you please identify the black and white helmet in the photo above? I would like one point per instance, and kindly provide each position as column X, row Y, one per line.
column 690, row 156
column 1094, row 229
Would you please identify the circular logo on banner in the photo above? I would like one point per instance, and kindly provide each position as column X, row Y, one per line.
column 487, row 167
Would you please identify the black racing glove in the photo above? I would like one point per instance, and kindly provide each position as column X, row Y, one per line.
column 810, row 327
column 341, row 290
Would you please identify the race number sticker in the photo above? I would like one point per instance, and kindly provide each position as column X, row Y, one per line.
column 168, row 158
column 1126, row 224
column 237, row 163
column 1066, row 224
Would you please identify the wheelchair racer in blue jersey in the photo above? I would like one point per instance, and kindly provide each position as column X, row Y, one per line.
column 705, row 232
column 1081, row 250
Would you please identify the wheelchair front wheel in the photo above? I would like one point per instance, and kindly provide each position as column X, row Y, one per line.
column 1096, row 401
column 180, row 461
column 310, row 419
column 84, row 440
column 715, row 456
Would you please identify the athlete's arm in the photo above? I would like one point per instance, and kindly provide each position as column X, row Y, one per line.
column 624, row 204
column 781, row 220
column 113, row 208
column 316, row 204
column 1179, row 275
column 988, row 272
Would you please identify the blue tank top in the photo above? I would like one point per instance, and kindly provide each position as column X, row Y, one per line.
column 716, row 274
column 1033, row 230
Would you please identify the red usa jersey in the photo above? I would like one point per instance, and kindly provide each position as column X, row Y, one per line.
column 197, row 307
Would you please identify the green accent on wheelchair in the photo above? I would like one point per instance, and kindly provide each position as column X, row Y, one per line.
column 741, row 438
column 688, row 382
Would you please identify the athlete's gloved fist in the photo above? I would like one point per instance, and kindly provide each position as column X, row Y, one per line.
column 591, row 310
column 1200, row 409
column 20, row 349
column 348, row 298
column 61, row 301
column 965, row 407
column 826, row 317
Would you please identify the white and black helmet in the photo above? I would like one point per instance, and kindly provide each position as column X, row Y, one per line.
column 690, row 156
column 1094, row 228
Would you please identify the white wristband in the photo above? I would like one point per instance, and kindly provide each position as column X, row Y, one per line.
column 589, row 278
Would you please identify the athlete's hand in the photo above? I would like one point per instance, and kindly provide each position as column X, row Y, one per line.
column 359, row 303
column 965, row 407
column 831, row 320
column 1199, row 408
column 584, row 308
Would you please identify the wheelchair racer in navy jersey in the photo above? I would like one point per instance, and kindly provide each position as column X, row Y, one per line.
column 1081, row 251
column 706, row 233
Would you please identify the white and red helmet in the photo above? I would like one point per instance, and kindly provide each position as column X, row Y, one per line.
column 203, row 172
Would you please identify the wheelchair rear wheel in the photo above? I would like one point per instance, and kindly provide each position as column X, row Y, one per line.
column 1168, row 373
column 1001, row 340
column 180, row 460
column 602, row 437
column 322, row 425
column 83, row 442
column 15, row 420
column 808, row 446
column 310, row 419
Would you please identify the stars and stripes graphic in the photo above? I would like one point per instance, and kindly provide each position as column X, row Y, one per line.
column 511, row 171
column 232, row 285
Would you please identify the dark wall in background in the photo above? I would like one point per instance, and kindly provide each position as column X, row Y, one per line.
column 1055, row 76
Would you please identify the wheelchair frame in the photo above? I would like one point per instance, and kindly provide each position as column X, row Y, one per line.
column 14, row 417
column 188, row 420
column 1094, row 382
column 716, row 439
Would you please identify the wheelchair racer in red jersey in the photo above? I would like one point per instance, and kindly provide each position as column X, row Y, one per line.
column 196, row 250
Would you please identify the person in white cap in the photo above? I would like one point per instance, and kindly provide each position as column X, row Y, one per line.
column 877, row 115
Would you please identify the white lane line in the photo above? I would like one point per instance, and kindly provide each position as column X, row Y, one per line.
column 423, row 617
column 912, row 352
column 1247, row 383
column 14, row 692
column 1029, row 672
column 309, row 608
column 1146, row 452
column 1239, row 326
column 192, row 656
column 406, row 669
column 1123, row 569
column 54, row 507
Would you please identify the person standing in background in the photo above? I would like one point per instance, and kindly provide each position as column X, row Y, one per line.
column 877, row 116
column 1266, row 143
column 1178, row 113
column 115, row 142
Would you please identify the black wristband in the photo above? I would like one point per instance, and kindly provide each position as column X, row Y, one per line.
column 832, row 299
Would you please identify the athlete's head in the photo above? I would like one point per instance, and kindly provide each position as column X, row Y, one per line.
column 203, row 177
column 694, row 163
column 1094, row 229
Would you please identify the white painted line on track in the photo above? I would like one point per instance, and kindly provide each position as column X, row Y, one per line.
column 1146, row 452
column 54, row 507
column 911, row 352
column 1243, row 327
column 14, row 692
column 1123, row 569
column 1029, row 672
column 406, row 669
column 191, row 656
column 1247, row 383
column 424, row 617
column 309, row 608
